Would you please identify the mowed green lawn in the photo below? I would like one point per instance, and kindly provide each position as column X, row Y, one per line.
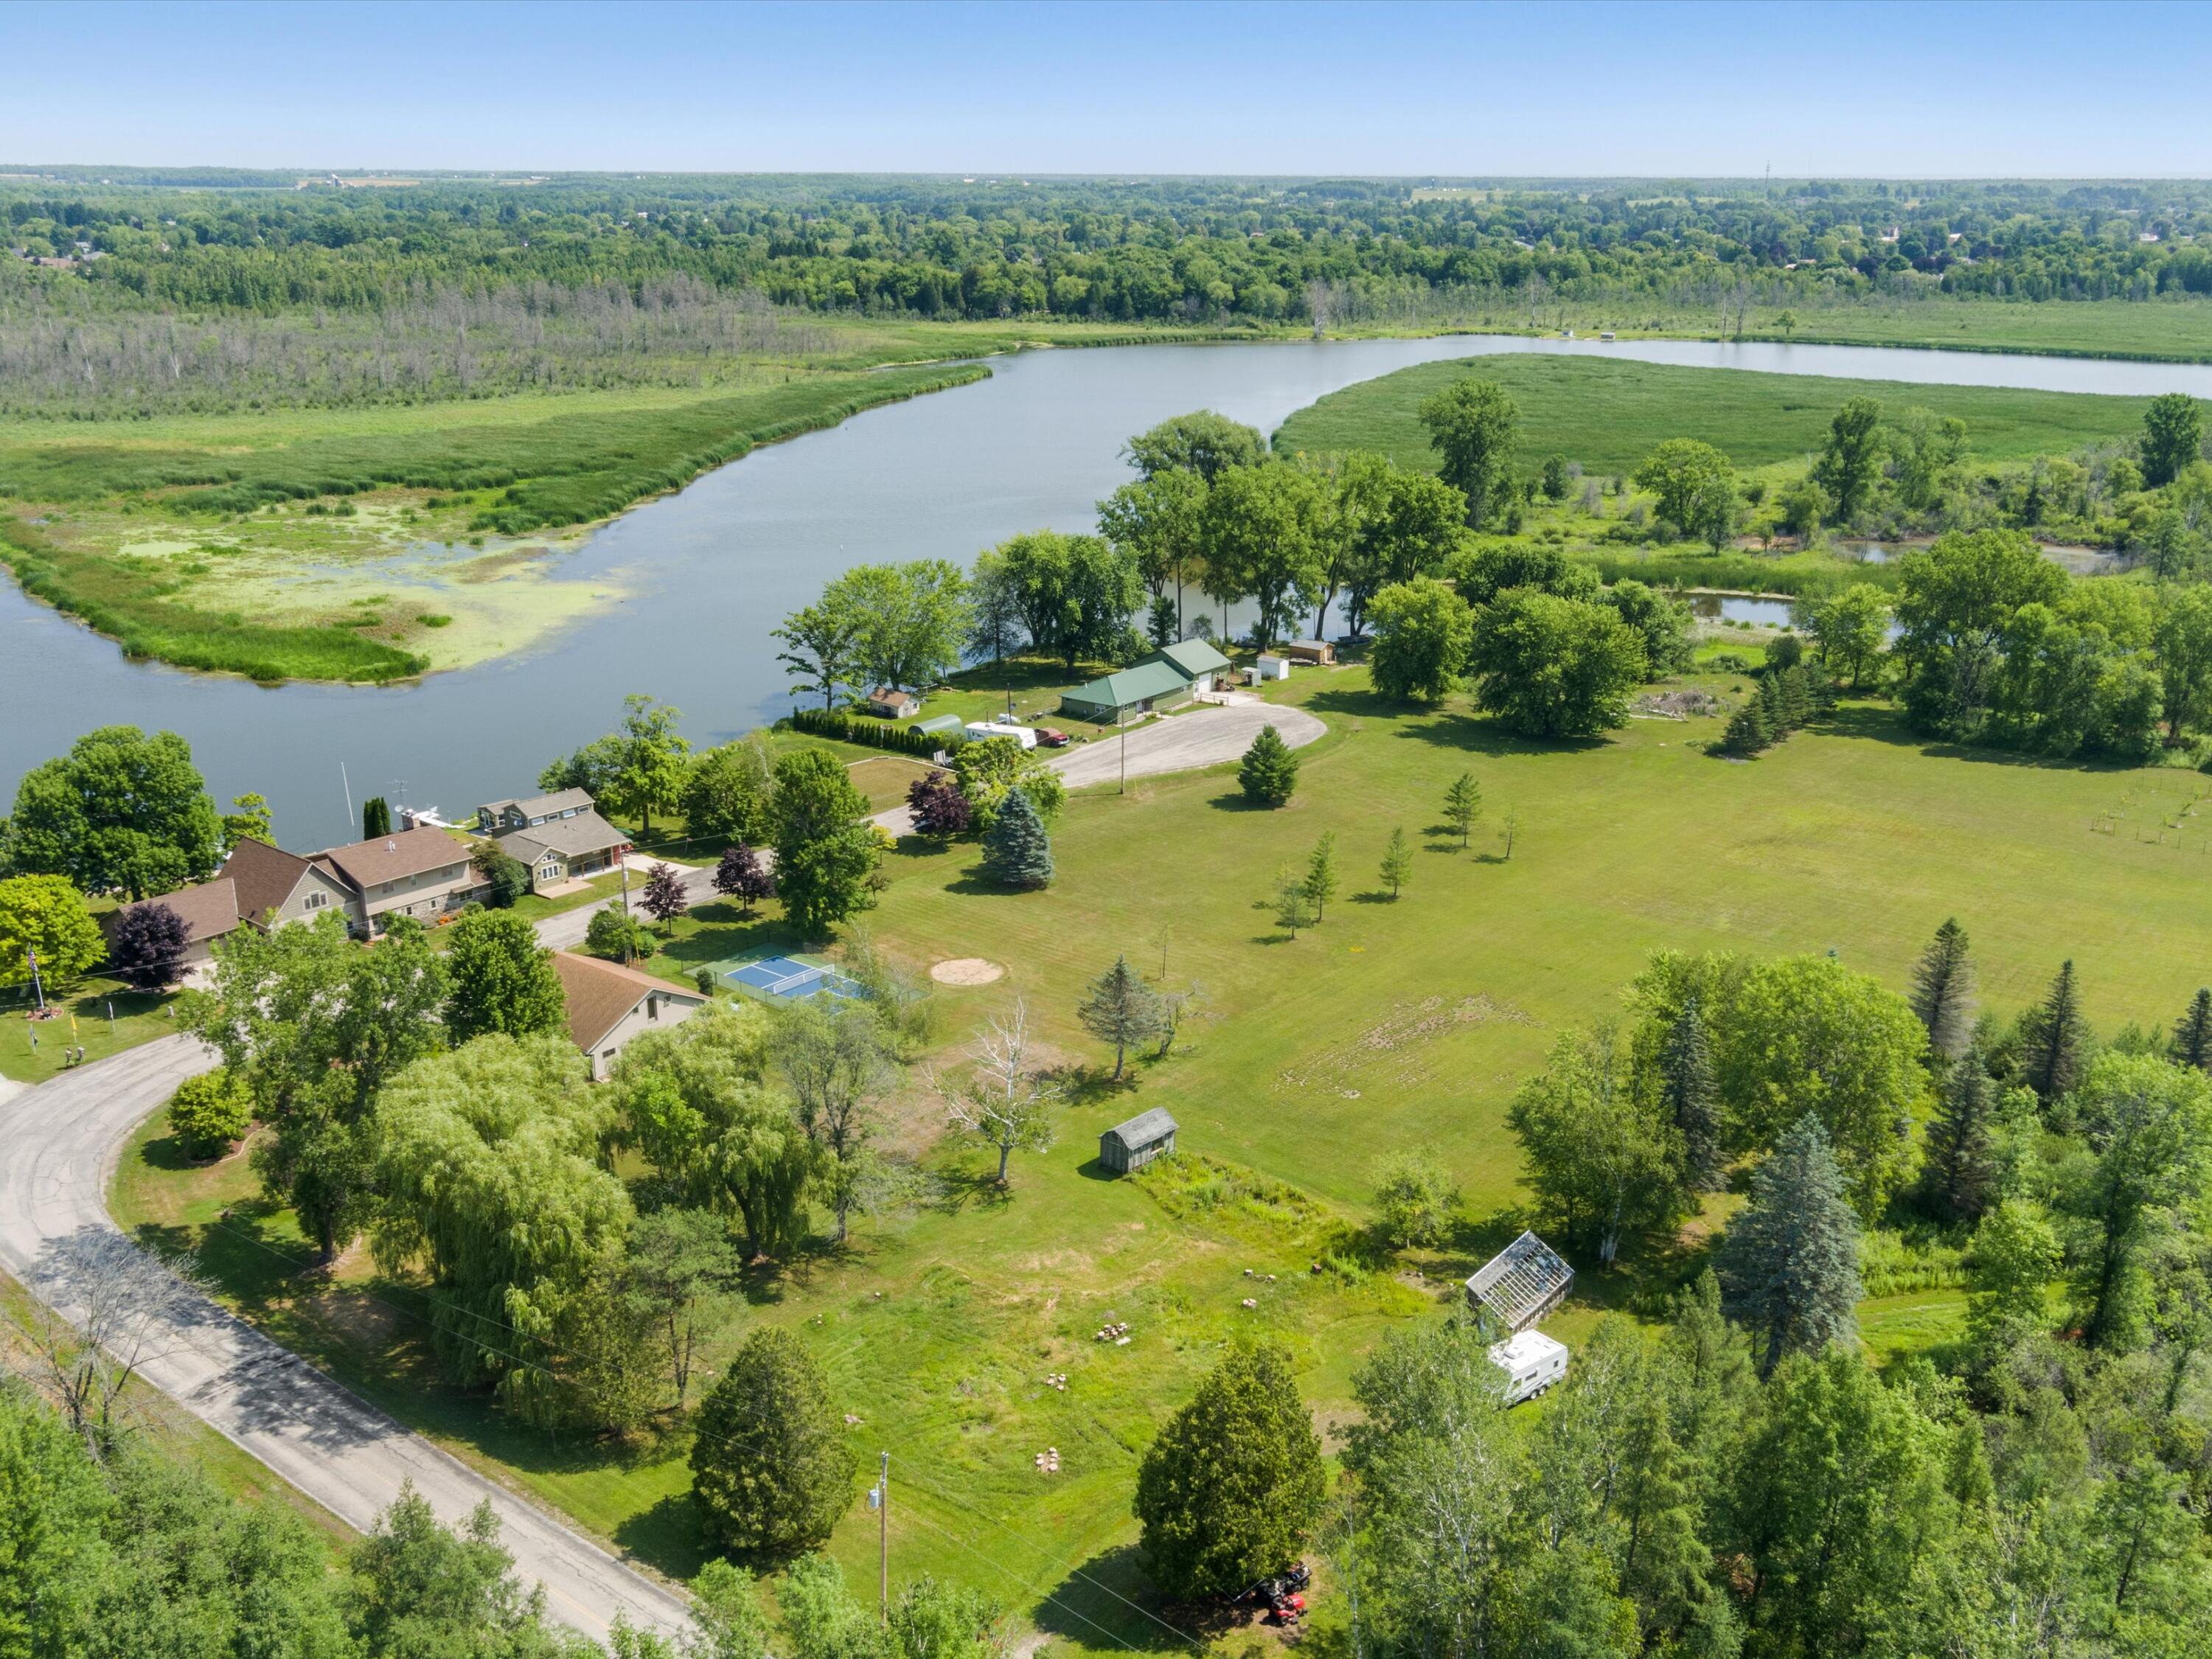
column 1389, row 1025
column 1610, row 413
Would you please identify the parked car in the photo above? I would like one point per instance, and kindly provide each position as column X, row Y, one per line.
column 1052, row 737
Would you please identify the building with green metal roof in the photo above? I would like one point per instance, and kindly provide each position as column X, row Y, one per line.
column 1168, row 678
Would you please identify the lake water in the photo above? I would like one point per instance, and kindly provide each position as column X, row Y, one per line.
column 711, row 568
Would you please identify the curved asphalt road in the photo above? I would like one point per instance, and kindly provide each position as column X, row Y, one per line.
column 1185, row 742
column 59, row 1144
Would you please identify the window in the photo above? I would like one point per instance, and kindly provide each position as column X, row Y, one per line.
column 548, row 872
column 315, row 900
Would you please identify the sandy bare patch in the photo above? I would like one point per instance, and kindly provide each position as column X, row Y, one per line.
column 966, row 970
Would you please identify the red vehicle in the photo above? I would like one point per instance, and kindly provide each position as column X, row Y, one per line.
column 1281, row 1598
column 1052, row 737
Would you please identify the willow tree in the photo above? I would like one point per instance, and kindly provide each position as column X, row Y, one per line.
column 488, row 1159
column 695, row 1102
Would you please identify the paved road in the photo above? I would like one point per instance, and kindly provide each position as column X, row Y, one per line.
column 565, row 931
column 62, row 1141
column 1185, row 743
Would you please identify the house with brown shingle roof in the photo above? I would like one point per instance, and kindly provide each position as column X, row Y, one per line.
column 274, row 887
column 608, row 1005
column 207, row 911
column 422, row 873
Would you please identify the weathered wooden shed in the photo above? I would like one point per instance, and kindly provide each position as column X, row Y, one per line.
column 1132, row 1146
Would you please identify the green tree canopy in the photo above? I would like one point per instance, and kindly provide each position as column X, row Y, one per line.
column 730, row 793
column 488, row 1159
column 314, row 1026
column 1554, row 668
column 121, row 812
column 2172, row 437
column 1264, row 529
column 1269, row 771
column 824, row 846
column 771, row 1467
column 1232, row 1483
column 502, row 979
column 1202, row 442
column 1423, row 631
column 1473, row 427
column 47, row 917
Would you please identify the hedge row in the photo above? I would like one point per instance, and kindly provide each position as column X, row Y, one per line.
column 875, row 733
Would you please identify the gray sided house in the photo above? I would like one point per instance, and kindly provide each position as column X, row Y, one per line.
column 1167, row 679
column 557, row 837
column 1132, row 1146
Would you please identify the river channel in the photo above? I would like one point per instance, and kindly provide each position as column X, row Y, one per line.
column 710, row 569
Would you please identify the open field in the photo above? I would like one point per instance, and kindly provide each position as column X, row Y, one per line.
column 1389, row 1025
column 1609, row 415
column 2173, row 330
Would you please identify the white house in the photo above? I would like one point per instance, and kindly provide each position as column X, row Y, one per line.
column 608, row 1005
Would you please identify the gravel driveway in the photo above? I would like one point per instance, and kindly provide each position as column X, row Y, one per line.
column 1185, row 743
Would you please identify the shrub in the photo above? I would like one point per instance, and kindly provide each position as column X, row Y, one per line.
column 507, row 876
column 210, row 1111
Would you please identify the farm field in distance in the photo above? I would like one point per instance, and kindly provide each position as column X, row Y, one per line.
column 1609, row 414
column 1389, row 1025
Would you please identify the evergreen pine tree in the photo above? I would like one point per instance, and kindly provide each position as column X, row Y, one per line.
column 1017, row 852
column 1962, row 1171
column 1790, row 1265
column 1321, row 873
column 1796, row 707
column 375, row 818
column 1943, row 991
column 1748, row 731
column 1397, row 862
column 1121, row 1008
column 2056, row 1051
column 1770, row 704
column 1463, row 804
column 2193, row 1034
column 1688, row 1096
column 1269, row 771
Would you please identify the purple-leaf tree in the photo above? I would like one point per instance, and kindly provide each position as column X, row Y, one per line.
column 146, row 948
column 939, row 809
column 744, row 875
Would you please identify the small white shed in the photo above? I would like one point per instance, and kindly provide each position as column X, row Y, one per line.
column 1272, row 667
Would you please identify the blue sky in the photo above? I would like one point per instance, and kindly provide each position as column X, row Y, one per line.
column 1897, row 89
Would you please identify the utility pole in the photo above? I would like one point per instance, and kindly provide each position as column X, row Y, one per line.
column 625, row 864
column 1125, row 756
column 348, row 783
column 883, row 1541
column 37, row 989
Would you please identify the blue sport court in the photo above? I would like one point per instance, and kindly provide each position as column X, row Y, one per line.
column 789, row 978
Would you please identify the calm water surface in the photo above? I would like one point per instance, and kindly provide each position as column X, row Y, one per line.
column 711, row 568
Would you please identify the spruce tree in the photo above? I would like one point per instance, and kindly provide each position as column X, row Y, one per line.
column 1748, row 731
column 1269, row 771
column 1790, row 1265
column 1943, row 991
column 1770, row 705
column 2193, row 1034
column 1398, row 863
column 1017, row 852
column 1962, row 1171
column 1796, row 707
column 1120, row 1008
column 1689, row 1098
column 2058, row 1047
column 1463, row 804
column 375, row 818
column 1321, row 873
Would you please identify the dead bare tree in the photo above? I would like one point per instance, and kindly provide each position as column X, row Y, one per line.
column 126, row 1303
column 1003, row 1103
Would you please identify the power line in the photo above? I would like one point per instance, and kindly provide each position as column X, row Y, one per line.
column 1075, row 1572
column 960, row 1543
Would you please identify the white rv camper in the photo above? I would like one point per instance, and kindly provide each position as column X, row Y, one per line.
column 1532, row 1363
